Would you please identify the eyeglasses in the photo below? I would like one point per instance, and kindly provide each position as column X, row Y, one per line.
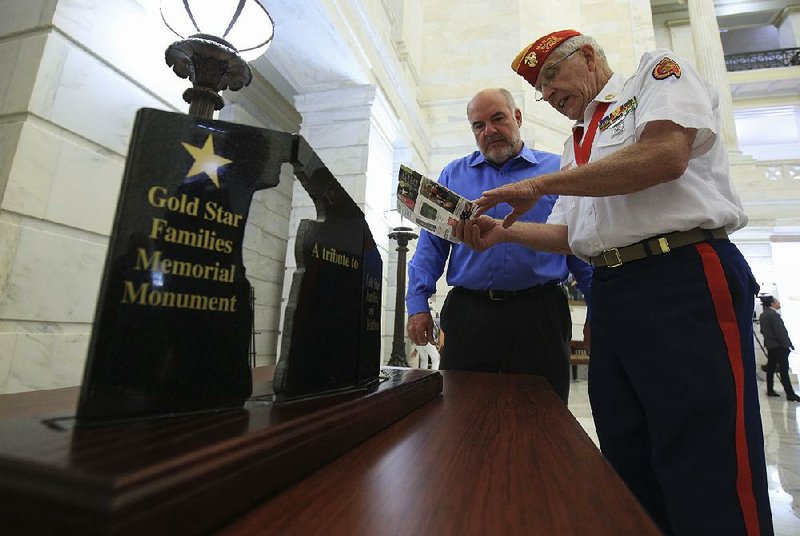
column 548, row 74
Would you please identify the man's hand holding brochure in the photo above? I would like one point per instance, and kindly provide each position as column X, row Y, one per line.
column 429, row 204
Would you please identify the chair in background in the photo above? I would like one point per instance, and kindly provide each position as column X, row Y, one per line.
column 579, row 355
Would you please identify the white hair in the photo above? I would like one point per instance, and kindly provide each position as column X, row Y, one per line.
column 574, row 43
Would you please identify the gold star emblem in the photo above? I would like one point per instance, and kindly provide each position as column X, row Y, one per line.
column 205, row 161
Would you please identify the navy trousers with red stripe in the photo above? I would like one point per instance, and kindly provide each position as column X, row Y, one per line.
column 673, row 389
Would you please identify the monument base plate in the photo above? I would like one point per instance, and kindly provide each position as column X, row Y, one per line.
column 185, row 474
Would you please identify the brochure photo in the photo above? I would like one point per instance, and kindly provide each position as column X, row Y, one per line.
column 429, row 204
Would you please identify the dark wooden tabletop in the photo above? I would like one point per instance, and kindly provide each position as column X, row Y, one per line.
column 496, row 454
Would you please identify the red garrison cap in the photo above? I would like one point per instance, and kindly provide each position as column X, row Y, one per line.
column 530, row 59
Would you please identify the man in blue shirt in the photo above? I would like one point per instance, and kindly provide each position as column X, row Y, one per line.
column 509, row 291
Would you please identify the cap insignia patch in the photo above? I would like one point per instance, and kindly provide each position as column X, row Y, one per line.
column 548, row 43
column 531, row 60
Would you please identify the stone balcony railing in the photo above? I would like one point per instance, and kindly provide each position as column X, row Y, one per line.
column 780, row 171
column 769, row 189
column 763, row 59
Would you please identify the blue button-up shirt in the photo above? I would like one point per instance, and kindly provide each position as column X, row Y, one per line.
column 504, row 266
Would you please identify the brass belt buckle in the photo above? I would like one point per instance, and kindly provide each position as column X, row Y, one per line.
column 616, row 263
column 664, row 245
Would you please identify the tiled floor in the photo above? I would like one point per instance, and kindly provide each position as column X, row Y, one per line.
column 782, row 441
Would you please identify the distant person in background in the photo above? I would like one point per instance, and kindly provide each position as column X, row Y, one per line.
column 778, row 344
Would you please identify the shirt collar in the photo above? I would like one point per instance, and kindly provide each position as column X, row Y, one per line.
column 524, row 153
column 609, row 93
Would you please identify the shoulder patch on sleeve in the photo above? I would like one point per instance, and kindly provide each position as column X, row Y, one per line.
column 665, row 68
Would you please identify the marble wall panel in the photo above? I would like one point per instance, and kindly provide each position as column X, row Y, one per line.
column 19, row 59
column 663, row 37
column 40, row 360
column 257, row 214
column 272, row 269
column 789, row 28
column 8, row 343
column 338, row 134
column 269, row 340
column 50, row 276
column 303, row 208
column 83, row 95
column 63, row 179
column 267, row 316
column 253, row 239
column 69, row 358
column 262, row 268
column 31, row 367
column 345, row 104
column 277, row 223
column 20, row 16
column 9, row 242
column 278, row 205
column 682, row 41
column 473, row 44
column 642, row 30
column 31, row 176
column 10, row 134
column 110, row 28
column 268, row 294
column 350, row 159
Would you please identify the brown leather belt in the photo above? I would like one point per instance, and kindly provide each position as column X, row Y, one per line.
column 656, row 246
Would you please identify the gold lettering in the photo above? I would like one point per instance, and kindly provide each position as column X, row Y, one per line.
column 144, row 261
column 144, row 295
column 155, row 263
column 157, row 227
column 153, row 196
column 157, row 197
column 131, row 295
column 218, row 214
column 333, row 256
column 202, row 238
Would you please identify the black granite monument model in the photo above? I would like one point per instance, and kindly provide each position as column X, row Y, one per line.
column 173, row 321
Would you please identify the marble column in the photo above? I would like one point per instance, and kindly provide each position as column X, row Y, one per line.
column 710, row 61
column 788, row 24
column 357, row 134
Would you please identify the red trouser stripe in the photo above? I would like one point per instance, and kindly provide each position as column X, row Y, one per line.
column 726, row 317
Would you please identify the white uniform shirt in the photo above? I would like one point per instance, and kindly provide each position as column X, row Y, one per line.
column 702, row 197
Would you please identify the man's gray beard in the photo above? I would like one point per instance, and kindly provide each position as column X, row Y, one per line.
column 502, row 156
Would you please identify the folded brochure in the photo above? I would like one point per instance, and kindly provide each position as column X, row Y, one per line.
column 429, row 204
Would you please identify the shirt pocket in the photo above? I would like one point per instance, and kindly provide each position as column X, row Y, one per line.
column 616, row 136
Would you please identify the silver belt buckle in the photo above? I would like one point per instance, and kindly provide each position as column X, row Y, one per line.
column 617, row 262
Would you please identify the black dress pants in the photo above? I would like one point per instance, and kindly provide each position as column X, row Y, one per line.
column 778, row 359
column 528, row 333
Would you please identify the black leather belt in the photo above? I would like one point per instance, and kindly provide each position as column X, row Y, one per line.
column 499, row 295
column 656, row 246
